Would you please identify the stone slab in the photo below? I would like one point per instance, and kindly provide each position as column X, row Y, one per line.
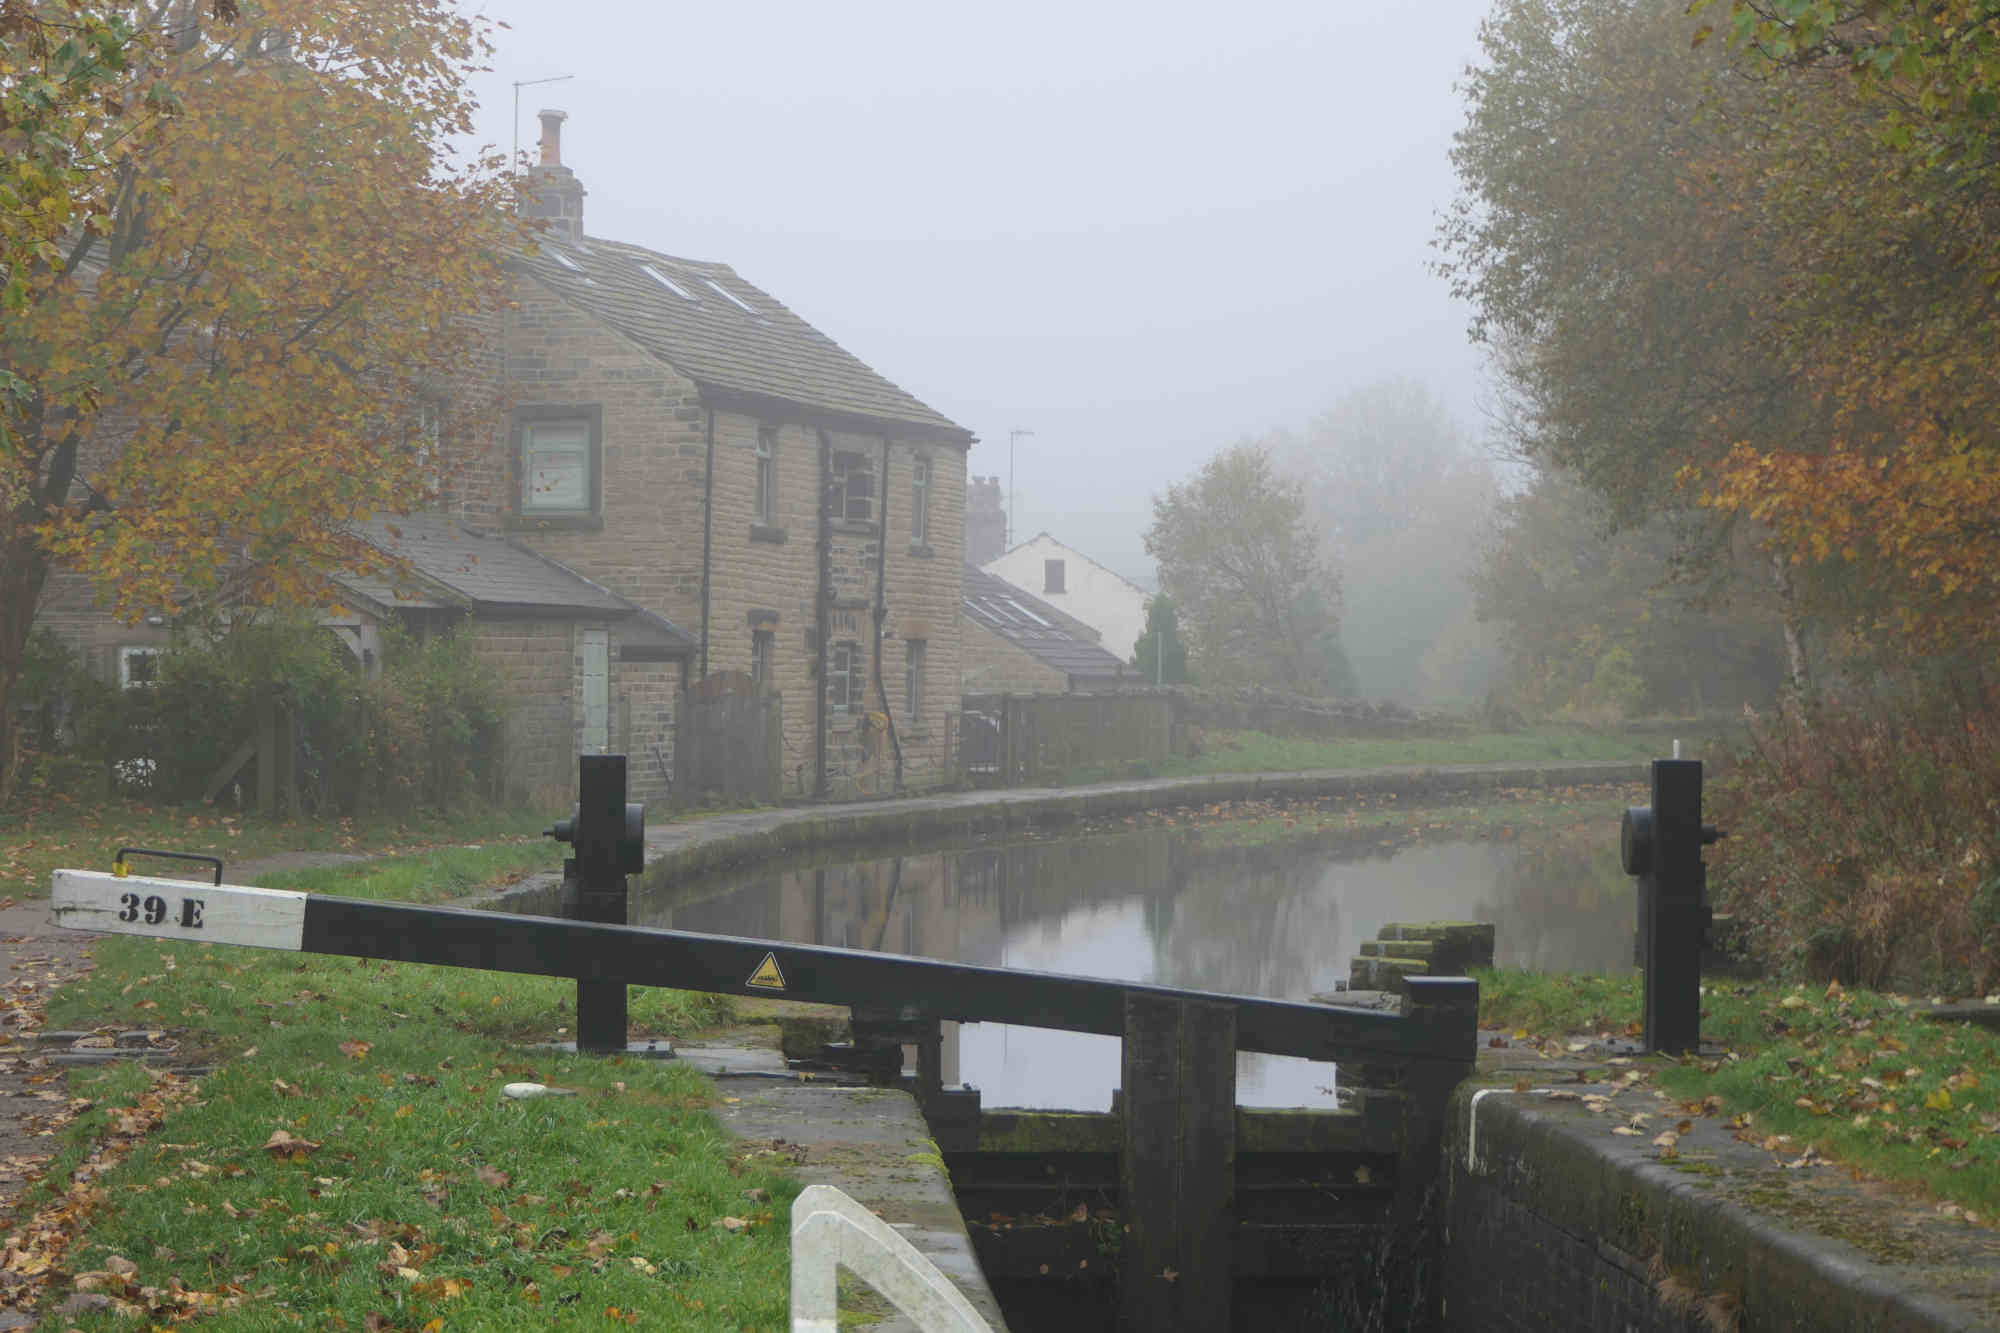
column 870, row 1143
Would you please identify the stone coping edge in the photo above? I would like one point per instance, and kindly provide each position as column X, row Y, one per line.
column 1612, row 1190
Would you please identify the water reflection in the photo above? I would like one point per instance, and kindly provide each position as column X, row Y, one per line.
column 1160, row 904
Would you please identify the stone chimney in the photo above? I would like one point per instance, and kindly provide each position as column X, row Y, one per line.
column 985, row 521
column 558, row 195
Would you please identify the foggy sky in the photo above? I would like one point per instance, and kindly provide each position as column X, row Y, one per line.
column 1140, row 231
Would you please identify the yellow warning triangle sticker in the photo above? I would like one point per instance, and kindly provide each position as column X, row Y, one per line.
column 767, row 976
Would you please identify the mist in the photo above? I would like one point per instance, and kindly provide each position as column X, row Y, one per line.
column 1140, row 233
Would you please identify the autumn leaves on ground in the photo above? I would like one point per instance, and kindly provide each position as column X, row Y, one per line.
column 351, row 1161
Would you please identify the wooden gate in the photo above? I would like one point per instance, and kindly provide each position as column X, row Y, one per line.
column 729, row 745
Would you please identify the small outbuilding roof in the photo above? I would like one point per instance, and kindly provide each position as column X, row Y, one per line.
column 1037, row 628
column 452, row 566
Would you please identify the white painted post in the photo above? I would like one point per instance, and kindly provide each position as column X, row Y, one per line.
column 831, row 1231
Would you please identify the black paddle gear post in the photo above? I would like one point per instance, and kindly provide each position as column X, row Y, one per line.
column 609, row 835
column 1661, row 844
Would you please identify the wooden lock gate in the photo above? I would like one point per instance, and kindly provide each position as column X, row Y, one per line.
column 1177, row 1176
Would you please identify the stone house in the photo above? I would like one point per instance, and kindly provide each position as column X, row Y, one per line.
column 704, row 483
column 678, row 437
column 1072, row 582
column 1015, row 643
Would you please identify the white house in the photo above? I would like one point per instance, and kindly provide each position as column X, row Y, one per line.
column 1075, row 584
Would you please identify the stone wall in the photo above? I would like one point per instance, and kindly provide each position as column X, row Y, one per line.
column 1555, row 1225
column 1279, row 714
column 535, row 662
column 646, row 541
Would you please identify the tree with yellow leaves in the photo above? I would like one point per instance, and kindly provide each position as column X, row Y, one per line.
column 250, row 264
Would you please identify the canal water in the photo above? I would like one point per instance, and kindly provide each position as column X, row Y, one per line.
column 1179, row 906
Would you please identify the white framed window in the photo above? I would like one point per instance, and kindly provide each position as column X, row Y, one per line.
column 920, row 500
column 1052, row 576
column 846, row 679
column 853, row 486
column 559, row 453
column 914, row 651
column 764, row 504
column 138, row 666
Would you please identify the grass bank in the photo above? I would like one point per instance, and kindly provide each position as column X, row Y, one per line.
column 351, row 1162
column 1857, row 1076
column 56, row 833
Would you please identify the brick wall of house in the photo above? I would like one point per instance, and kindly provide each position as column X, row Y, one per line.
column 645, row 540
column 994, row 665
column 765, row 578
column 645, row 697
column 532, row 660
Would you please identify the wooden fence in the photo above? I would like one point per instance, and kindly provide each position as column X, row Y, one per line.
column 1016, row 739
column 729, row 746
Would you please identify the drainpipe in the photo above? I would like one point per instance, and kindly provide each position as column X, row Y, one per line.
column 707, row 537
column 822, row 602
column 882, row 616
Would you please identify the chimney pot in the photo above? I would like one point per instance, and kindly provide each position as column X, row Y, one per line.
column 552, row 136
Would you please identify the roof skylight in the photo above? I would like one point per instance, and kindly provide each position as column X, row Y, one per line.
column 730, row 296
column 566, row 261
column 1026, row 612
column 668, row 283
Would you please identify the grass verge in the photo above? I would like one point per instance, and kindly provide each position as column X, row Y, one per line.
column 55, row 834
column 352, row 1162
column 1858, row 1076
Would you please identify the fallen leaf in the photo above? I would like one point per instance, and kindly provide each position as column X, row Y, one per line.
column 287, row 1146
column 491, row 1175
column 355, row 1050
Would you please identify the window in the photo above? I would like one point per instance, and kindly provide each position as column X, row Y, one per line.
column 730, row 296
column 847, row 679
column 1052, row 576
column 668, row 283
column 920, row 501
column 913, row 680
column 763, row 647
column 138, row 667
column 559, row 451
column 764, row 506
column 853, row 487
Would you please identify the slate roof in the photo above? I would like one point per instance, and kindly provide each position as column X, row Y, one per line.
column 757, row 348
column 1031, row 624
column 455, row 566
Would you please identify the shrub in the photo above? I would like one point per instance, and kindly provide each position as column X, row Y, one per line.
column 426, row 732
column 1863, row 835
